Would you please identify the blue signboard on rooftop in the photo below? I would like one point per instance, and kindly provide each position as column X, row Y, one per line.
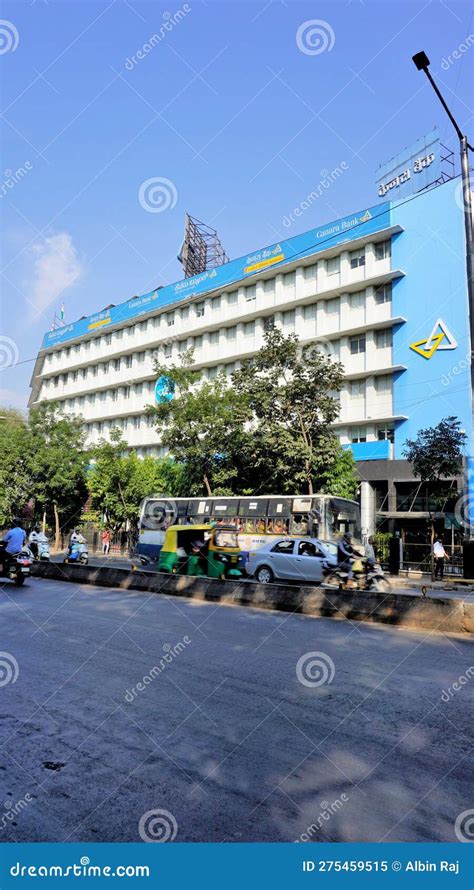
column 357, row 225
column 411, row 170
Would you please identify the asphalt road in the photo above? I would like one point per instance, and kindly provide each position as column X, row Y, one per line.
column 223, row 735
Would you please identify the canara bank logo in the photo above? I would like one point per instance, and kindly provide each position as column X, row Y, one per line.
column 366, row 216
column 440, row 338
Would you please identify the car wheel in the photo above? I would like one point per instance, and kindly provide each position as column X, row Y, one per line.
column 264, row 575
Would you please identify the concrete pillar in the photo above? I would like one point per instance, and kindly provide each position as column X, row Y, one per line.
column 367, row 509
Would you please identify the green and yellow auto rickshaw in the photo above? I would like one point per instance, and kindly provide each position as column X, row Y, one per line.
column 206, row 550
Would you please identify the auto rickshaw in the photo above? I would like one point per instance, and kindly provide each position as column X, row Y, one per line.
column 205, row 550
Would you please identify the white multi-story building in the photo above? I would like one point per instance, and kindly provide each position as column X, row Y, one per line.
column 365, row 286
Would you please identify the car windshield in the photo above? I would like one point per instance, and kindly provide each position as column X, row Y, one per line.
column 226, row 538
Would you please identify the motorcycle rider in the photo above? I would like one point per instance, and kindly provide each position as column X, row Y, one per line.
column 346, row 556
column 33, row 539
column 76, row 538
column 14, row 539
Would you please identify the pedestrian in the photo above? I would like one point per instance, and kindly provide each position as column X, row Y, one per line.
column 439, row 554
column 369, row 550
column 105, row 541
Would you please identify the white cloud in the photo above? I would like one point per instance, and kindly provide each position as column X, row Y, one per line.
column 56, row 267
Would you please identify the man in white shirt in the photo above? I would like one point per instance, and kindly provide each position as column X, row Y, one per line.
column 440, row 555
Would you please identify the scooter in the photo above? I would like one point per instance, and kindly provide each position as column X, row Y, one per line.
column 40, row 549
column 366, row 575
column 77, row 553
column 15, row 566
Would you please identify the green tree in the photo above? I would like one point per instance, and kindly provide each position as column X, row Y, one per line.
column 118, row 480
column 15, row 476
column 202, row 425
column 290, row 391
column 341, row 479
column 57, row 461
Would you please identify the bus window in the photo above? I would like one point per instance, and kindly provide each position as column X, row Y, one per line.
column 253, row 507
column 299, row 524
column 260, row 526
column 225, row 507
column 280, row 526
column 279, row 507
column 248, row 525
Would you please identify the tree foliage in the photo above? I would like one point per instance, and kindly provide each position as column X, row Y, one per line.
column 15, row 474
column 57, row 461
column 437, row 452
column 119, row 480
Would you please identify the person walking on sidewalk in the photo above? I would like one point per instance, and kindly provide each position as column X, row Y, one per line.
column 105, row 542
column 439, row 554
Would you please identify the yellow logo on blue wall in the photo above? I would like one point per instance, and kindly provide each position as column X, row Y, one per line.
column 440, row 338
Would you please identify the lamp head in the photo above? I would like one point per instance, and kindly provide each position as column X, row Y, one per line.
column 421, row 61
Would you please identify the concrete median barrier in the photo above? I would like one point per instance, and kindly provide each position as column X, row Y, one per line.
column 405, row 610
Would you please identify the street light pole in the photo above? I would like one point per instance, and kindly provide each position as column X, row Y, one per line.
column 422, row 62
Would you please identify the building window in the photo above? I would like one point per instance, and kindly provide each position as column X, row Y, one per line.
column 128, row 361
column 383, row 383
column 311, row 271
column 167, row 350
column 170, row 319
column 214, row 337
column 94, row 370
column 383, row 250
column 333, row 265
column 212, row 373
column 383, row 293
column 357, row 344
column 383, row 338
column 100, row 427
column 358, row 434
column 141, row 358
column 182, row 345
column 198, row 342
column 74, row 376
column 269, row 323
column 143, row 325
column 126, row 392
column 136, row 423
column 184, row 313
column 232, row 297
column 249, row 328
column 216, row 303
column 357, row 258
column 108, row 339
column 385, row 432
column 357, row 300
column 332, row 306
column 156, row 321
column 230, row 368
column 269, row 286
column 288, row 318
column 118, row 335
column 200, row 309
column 116, row 364
column 309, row 312
column 357, row 389
column 232, row 332
column 289, row 279
column 251, row 292
column 105, row 369
column 87, row 345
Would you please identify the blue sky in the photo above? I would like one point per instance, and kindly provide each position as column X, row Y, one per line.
column 232, row 106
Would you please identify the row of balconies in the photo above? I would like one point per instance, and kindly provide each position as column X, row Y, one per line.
column 158, row 328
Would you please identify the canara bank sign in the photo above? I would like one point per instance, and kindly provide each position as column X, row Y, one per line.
column 419, row 164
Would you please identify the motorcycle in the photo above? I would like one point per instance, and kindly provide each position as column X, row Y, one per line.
column 77, row 553
column 366, row 575
column 40, row 549
column 15, row 566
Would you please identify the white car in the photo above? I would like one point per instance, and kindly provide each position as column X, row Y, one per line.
column 292, row 559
